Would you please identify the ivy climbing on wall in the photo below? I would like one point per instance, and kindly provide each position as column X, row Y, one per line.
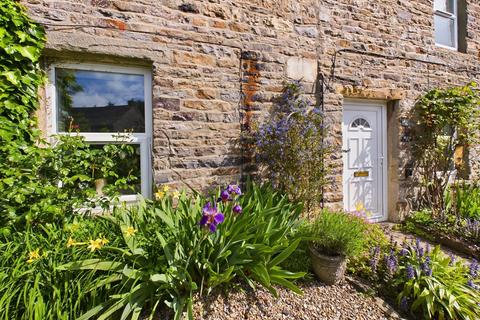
column 39, row 182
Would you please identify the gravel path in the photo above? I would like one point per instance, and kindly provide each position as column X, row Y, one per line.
column 339, row 302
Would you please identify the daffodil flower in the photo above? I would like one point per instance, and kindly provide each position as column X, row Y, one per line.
column 70, row 242
column 104, row 240
column 130, row 231
column 166, row 188
column 33, row 255
column 95, row 244
column 159, row 195
column 176, row 194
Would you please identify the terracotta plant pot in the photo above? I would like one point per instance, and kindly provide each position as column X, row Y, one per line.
column 99, row 184
column 329, row 269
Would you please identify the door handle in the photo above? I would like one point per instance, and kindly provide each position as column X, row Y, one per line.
column 346, row 150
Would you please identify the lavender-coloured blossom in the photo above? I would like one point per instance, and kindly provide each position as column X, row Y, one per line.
column 211, row 217
column 471, row 284
column 404, row 304
column 391, row 262
column 426, row 268
column 403, row 252
column 374, row 258
column 410, row 271
column 237, row 209
column 234, row 189
column 474, row 268
column 452, row 259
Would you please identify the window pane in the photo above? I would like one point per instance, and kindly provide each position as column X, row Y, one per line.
column 444, row 31
column 128, row 164
column 93, row 101
column 445, row 6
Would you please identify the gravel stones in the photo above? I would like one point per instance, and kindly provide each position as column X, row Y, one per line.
column 340, row 302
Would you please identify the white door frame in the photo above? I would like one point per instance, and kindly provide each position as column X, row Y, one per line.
column 352, row 105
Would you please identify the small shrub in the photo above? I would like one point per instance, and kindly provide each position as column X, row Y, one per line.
column 446, row 124
column 290, row 147
column 338, row 233
column 170, row 251
column 373, row 237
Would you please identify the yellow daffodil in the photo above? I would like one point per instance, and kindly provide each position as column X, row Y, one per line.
column 166, row 188
column 130, row 231
column 359, row 206
column 159, row 195
column 176, row 194
column 95, row 244
column 70, row 242
column 33, row 255
column 104, row 240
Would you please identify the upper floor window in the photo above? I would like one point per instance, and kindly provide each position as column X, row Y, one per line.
column 450, row 22
column 100, row 102
column 446, row 23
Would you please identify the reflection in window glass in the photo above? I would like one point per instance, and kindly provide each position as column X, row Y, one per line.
column 126, row 164
column 444, row 5
column 94, row 101
column 444, row 31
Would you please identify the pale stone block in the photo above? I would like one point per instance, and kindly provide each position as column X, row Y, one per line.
column 302, row 69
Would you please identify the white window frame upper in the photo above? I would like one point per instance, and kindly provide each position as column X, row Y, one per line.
column 144, row 140
column 452, row 16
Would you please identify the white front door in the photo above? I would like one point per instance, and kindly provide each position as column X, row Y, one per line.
column 364, row 158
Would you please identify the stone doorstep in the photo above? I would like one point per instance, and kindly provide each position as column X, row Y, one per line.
column 364, row 287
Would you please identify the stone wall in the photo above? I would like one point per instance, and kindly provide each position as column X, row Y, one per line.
column 403, row 32
column 217, row 64
column 205, row 55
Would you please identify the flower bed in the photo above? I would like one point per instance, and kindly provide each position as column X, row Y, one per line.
column 154, row 255
column 425, row 282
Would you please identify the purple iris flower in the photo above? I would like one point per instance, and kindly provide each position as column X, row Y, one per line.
column 211, row 217
column 224, row 196
column 237, row 209
column 234, row 189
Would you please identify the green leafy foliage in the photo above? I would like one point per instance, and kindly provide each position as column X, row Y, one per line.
column 166, row 255
column 31, row 287
column 40, row 182
column 447, row 122
column 464, row 200
column 426, row 283
column 290, row 147
column 338, row 233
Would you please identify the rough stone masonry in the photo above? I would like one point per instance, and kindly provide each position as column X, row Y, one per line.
column 217, row 65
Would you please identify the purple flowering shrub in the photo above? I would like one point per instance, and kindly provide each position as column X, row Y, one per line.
column 425, row 282
column 290, row 146
column 181, row 244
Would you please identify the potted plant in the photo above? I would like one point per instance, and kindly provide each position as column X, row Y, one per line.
column 335, row 237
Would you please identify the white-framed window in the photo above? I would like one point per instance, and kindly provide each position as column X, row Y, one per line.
column 446, row 23
column 101, row 101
